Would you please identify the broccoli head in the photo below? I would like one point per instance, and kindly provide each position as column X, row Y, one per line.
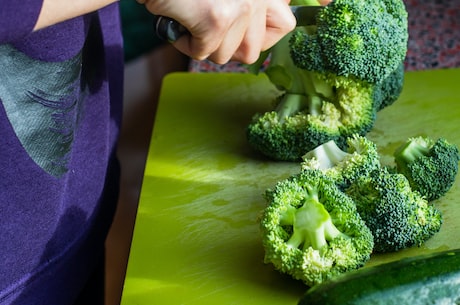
column 334, row 77
column 314, row 108
column 344, row 166
column 430, row 166
column 364, row 39
column 311, row 230
column 287, row 138
column 397, row 216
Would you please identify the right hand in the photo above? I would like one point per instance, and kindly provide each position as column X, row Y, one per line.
column 223, row 30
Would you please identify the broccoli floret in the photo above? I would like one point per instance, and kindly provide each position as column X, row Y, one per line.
column 344, row 166
column 397, row 216
column 299, row 122
column 363, row 39
column 430, row 166
column 332, row 98
column 311, row 230
column 313, row 109
column 389, row 90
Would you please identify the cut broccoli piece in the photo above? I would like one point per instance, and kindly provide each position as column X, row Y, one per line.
column 430, row 166
column 397, row 216
column 311, row 230
column 299, row 121
column 314, row 108
column 332, row 98
column 344, row 166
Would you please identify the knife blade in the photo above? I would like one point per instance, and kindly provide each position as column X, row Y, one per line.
column 169, row 29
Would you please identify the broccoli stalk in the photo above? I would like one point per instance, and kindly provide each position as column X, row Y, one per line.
column 412, row 150
column 291, row 104
column 301, row 90
column 325, row 156
column 311, row 230
column 312, row 224
column 344, row 166
column 430, row 166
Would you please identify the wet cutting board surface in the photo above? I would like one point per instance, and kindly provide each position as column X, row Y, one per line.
column 196, row 238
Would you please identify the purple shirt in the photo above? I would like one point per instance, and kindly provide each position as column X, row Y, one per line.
column 60, row 108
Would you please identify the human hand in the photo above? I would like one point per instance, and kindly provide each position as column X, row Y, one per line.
column 223, row 30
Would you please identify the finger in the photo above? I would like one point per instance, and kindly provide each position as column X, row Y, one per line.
column 204, row 40
column 243, row 39
column 248, row 50
column 197, row 47
column 324, row 2
column 280, row 21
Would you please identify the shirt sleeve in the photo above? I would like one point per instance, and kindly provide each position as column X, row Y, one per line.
column 18, row 18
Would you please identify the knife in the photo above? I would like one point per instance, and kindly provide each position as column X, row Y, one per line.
column 169, row 29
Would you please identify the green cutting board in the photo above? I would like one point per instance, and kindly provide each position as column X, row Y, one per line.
column 196, row 238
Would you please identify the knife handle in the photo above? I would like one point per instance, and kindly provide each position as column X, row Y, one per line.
column 168, row 29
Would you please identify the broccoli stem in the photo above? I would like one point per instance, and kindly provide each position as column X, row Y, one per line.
column 291, row 104
column 328, row 155
column 312, row 224
column 286, row 76
column 314, row 105
column 411, row 151
column 303, row 90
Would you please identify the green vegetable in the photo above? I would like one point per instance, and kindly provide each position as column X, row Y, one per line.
column 397, row 216
column 344, row 166
column 421, row 280
column 362, row 39
column 311, row 230
column 388, row 91
column 430, row 166
column 326, row 98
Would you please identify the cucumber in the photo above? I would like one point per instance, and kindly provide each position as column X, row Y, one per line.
column 421, row 280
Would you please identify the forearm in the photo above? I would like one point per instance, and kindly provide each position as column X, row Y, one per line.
column 55, row 11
